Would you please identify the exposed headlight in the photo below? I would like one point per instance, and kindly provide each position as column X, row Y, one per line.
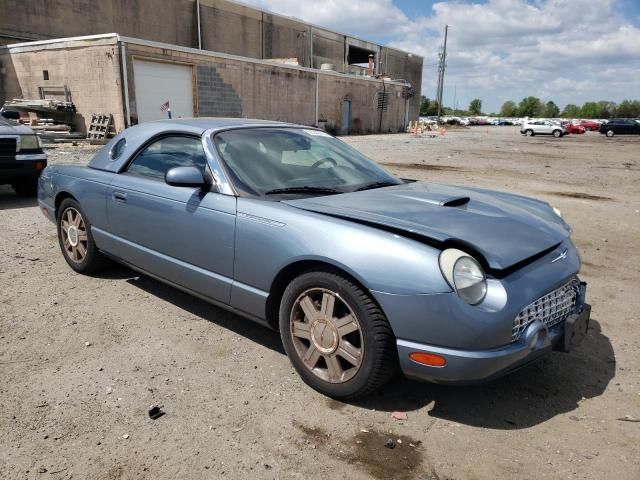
column 30, row 142
column 464, row 274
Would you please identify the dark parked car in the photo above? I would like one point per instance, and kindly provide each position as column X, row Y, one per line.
column 362, row 272
column 620, row 126
column 21, row 155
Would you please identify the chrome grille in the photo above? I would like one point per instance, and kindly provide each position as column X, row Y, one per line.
column 551, row 309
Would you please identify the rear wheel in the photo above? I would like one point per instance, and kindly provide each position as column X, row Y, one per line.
column 557, row 133
column 76, row 240
column 27, row 187
column 610, row 133
column 528, row 133
column 335, row 335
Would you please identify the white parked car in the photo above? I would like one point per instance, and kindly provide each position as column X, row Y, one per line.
column 542, row 127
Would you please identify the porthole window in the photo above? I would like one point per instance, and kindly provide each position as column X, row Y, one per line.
column 117, row 149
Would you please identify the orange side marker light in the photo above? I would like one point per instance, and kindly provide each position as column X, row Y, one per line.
column 430, row 359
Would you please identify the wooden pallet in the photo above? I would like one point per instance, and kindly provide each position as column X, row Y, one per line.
column 99, row 126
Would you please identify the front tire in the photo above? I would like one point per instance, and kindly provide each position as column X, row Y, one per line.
column 557, row 133
column 75, row 239
column 610, row 133
column 336, row 336
column 529, row 133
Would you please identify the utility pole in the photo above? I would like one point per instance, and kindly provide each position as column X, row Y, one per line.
column 441, row 67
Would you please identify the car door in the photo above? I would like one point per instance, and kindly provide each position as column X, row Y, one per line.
column 182, row 234
column 630, row 127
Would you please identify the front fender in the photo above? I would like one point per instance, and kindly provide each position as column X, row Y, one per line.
column 272, row 235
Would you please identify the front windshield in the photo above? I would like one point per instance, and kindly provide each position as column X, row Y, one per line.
column 296, row 161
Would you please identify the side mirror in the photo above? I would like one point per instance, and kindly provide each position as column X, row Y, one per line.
column 11, row 114
column 185, row 177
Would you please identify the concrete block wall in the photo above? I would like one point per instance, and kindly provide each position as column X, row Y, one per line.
column 226, row 27
column 230, row 28
column 91, row 73
column 234, row 87
column 392, row 60
column 216, row 98
column 168, row 21
column 285, row 38
column 363, row 96
column 230, row 87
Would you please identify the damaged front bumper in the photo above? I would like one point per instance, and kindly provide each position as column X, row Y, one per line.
column 471, row 366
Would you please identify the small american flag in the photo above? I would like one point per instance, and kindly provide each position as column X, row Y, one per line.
column 165, row 106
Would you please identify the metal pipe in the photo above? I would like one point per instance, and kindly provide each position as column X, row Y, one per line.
column 125, row 84
column 311, row 48
column 317, row 96
column 199, row 30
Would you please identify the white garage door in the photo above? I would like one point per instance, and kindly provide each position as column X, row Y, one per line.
column 157, row 83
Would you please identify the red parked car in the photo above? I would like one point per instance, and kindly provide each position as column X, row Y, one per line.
column 590, row 125
column 574, row 128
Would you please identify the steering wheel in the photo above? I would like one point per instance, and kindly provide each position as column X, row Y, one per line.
column 323, row 161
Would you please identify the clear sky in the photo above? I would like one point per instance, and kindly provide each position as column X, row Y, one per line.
column 568, row 51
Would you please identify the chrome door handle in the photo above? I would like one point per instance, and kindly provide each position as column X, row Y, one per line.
column 119, row 196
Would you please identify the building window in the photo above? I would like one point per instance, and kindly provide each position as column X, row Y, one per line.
column 45, row 74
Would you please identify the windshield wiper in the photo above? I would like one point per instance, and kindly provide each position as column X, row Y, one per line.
column 375, row 185
column 304, row 189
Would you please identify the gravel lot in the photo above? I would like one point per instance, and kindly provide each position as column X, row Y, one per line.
column 83, row 358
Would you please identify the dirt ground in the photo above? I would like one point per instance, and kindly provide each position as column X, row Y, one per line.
column 83, row 358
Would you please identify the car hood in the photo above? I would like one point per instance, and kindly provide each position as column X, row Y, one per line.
column 10, row 127
column 505, row 229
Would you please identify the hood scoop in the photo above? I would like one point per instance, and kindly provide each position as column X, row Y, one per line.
column 440, row 200
column 455, row 202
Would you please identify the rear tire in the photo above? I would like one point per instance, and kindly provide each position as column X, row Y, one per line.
column 75, row 239
column 610, row 133
column 557, row 133
column 529, row 133
column 27, row 187
column 336, row 336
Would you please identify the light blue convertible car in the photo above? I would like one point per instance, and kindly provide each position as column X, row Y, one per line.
column 362, row 272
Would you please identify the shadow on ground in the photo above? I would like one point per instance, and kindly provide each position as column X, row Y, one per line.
column 251, row 330
column 552, row 386
column 9, row 200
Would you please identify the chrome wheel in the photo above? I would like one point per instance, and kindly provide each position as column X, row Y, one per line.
column 327, row 335
column 74, row 235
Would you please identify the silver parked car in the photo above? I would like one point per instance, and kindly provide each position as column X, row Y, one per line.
column 362, row 272
column 542, row 127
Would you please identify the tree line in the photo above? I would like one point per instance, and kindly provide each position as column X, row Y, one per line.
column 534, row 107
column 429, row 108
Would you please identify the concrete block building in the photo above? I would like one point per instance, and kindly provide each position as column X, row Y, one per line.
column 207, row 58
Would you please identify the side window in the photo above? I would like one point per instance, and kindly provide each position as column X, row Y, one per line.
column 166, row 153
